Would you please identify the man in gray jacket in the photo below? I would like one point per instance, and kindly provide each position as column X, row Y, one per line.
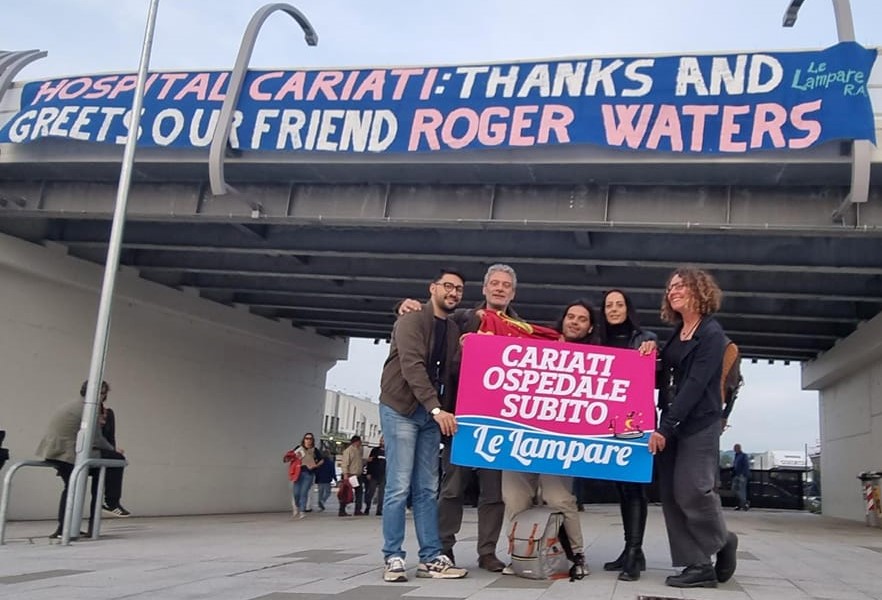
column 59, row 447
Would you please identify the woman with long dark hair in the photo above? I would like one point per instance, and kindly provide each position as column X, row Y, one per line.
column 623, row 331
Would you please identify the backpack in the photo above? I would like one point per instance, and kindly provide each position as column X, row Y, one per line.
column 537, row 548
column 731, row 380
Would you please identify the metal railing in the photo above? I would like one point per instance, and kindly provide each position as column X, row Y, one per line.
column 73, row 511
column 102, row 463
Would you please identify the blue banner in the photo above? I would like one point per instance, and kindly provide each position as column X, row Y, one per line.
column 709, row 104
column 489, row 443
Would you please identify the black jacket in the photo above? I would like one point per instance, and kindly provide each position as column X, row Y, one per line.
column 690, row 395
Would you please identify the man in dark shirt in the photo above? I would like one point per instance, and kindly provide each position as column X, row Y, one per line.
column 500, row 282
column 740, row 475
column 416, row 377
column 113, row 477
column 376, row 477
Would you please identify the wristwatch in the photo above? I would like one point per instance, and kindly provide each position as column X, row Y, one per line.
column 435, row 411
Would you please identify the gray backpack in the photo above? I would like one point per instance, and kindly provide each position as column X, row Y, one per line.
column 535, row 544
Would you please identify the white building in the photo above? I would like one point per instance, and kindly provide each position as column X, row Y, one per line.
column 347, row 415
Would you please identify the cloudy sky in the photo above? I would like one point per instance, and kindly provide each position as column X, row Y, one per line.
column 97, row 36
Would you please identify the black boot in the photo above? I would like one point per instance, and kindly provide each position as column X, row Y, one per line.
column 617, row 564
column 634, row 562
column 634, row 514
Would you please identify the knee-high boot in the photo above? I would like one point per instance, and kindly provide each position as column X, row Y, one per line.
column 617, row 564
column 634, row 560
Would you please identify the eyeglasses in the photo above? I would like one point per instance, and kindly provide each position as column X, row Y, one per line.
column 450, row 287
column 309, row 438
column 677, row 286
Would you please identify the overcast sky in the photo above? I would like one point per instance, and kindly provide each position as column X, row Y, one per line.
column 96, row 36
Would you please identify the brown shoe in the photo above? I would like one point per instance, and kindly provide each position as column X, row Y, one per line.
column 489, row 562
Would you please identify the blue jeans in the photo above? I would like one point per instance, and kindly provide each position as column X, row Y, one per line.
column 301, row 489
column 412, row 445
column 324, row 492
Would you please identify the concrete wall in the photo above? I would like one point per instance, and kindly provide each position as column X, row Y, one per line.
column 207, row 397
column 849, row 381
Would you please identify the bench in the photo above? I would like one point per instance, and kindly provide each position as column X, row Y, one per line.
column 70, row 513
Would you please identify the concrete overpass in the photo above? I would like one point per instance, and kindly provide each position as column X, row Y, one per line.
column 316, row 247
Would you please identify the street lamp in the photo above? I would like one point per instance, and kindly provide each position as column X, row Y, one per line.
column 221, row 135
column 792, row 11
column 841, row 10
column 76, row 492
column 859, row 192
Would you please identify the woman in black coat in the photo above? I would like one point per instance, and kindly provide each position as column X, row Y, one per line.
column 687, row 439
column 623, row 330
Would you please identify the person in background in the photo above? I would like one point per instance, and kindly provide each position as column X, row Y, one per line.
column 59, row 447
column 686, row 442
column 113, row 477
column 375, row 483
column 740, row 477
column 622, row 329
column 324, row 477
column 352, row 465
column 310, row 460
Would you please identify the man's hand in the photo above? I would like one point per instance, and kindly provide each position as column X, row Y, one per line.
column 410, row 305
column 446, row 421
column 656, row 442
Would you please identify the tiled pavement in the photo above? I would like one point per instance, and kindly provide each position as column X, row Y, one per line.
column 782, row 556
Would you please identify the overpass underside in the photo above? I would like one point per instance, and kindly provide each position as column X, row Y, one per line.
column 331, row 244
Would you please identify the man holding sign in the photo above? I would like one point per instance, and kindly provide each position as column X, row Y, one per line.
column 416, row 377
column 500, row 282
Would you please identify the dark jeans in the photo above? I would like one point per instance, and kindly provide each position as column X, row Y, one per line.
column 64, row 470
column 491, row 509
column 374, row 487
column 112, row 481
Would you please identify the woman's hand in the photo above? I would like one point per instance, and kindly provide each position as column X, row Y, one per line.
column 656, row 442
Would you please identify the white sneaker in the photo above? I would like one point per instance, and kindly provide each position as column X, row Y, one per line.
column 508, row 570
column 441, row 567
column 395, row 570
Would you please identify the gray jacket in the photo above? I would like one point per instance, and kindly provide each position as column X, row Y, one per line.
column 60, row 441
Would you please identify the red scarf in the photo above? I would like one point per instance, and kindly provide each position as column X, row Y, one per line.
column 496, row 322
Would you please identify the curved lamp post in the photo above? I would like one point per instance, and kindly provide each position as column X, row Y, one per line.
column 224, row 124
column 13, row 62
column 76, row 493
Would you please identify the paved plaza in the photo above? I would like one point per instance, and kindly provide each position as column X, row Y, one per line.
column 783, row 555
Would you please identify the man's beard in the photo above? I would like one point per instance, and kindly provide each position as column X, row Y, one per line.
column 442, row 305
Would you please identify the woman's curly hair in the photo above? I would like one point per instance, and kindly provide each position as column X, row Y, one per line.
column 705, row 293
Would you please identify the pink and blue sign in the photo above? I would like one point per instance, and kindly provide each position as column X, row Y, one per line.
column 554, row 407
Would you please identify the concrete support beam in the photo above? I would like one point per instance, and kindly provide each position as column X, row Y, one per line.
column 849, row 355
